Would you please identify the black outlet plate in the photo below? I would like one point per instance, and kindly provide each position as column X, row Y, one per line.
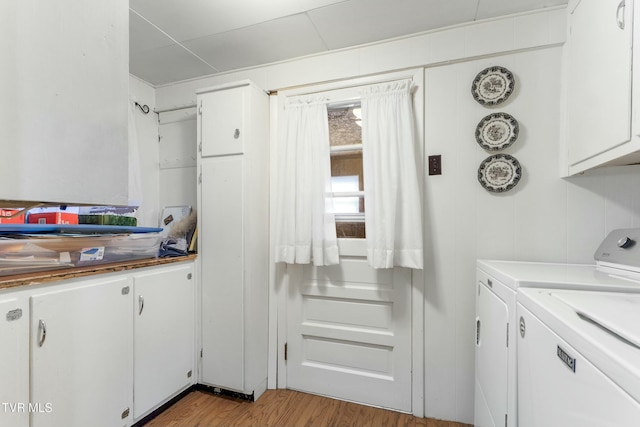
column 435, row 165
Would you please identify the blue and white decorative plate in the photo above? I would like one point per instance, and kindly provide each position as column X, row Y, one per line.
column 499, row 173
column 493, row 86
column 497, row 131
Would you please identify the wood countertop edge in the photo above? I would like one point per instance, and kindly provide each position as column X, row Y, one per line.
column 40, row 277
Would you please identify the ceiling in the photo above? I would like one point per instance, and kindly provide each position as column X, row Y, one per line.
column 174, row 40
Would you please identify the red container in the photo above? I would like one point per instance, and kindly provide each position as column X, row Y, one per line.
column 5, row 219
column 53, row 218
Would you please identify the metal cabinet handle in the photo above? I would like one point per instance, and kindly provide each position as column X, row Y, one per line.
column 42, row 331
column 140, row 304
column 619, row 15
column 236, row 134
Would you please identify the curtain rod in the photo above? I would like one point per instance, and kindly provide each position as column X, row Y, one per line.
column 184, row 107
column 312, row 91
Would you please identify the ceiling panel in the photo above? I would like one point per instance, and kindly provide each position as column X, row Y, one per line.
column 493, row 8
column 173, row 40
column 144, row 36
column 271, row 41
column 363, row 21
column 167, row 64
column 189, row 19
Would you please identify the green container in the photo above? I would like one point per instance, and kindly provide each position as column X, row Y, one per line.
column 108, row 220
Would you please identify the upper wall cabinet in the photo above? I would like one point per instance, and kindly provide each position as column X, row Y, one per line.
column 601, row 128
column 63, row 101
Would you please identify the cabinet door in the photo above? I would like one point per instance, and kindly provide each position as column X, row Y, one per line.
column 492, row 357
column 222, row 249
column 14, row 362
column 222, row 124
column 164, row 335
column 598, row 78
column 82, row 355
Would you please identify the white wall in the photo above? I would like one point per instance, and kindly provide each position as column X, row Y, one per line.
column 545, row 218
column 147, row 130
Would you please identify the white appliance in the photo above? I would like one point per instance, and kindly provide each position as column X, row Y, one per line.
column 578, row 358
column 617, row 269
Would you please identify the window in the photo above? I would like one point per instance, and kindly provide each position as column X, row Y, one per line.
column 347, row 181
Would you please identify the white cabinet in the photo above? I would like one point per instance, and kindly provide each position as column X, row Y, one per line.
column 223, row 131
column 233, row 202
column 600, row 108
column 63, row 109
column 82, row 354
column 164, row 330
column 14, row 361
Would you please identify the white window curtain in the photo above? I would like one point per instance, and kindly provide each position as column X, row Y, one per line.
column 393, row 219
column 305, row 223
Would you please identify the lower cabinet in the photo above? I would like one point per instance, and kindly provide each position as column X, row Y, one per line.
column 164, row 331
column 103, row 351
column 82, row 354
column 14, row 361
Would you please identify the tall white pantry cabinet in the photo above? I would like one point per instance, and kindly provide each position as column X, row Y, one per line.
column 233, row 228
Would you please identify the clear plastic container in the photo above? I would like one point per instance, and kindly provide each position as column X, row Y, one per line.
column 44, row 252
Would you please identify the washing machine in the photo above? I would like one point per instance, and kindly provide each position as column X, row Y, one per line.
column 616, row 269
column 578, row 358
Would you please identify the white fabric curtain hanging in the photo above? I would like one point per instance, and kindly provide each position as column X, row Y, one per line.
column 393, row 219
column 305, row 223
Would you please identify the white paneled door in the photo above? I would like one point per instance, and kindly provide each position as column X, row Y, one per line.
column 349, row 333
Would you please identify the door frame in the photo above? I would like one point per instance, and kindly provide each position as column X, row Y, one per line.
column 278, row 272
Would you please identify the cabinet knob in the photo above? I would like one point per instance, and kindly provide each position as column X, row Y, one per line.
column 236, row 134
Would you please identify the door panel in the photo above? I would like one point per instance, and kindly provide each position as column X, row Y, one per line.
column 223, row 128
column 14, row 369
column 163, row 334
column 599, row 51
column 223, row 272
column 349, row 333
column 82, row 355
column 492, row 354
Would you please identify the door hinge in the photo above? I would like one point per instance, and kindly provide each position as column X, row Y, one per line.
column 200, row 147
column 285, row 351
column 200, row 108
column 200, row 352
column 200, row 178
column 505, row 420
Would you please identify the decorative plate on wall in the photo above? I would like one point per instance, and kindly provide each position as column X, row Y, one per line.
column 497, row 131
column 493, row 86
column 499, row 173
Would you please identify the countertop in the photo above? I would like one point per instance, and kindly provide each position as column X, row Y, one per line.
column 40, row 277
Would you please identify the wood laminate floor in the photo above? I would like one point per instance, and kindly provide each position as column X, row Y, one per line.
column 282, row 408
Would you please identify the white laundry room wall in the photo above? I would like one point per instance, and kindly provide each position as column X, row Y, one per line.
column 147, row 132
column 544, row 218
